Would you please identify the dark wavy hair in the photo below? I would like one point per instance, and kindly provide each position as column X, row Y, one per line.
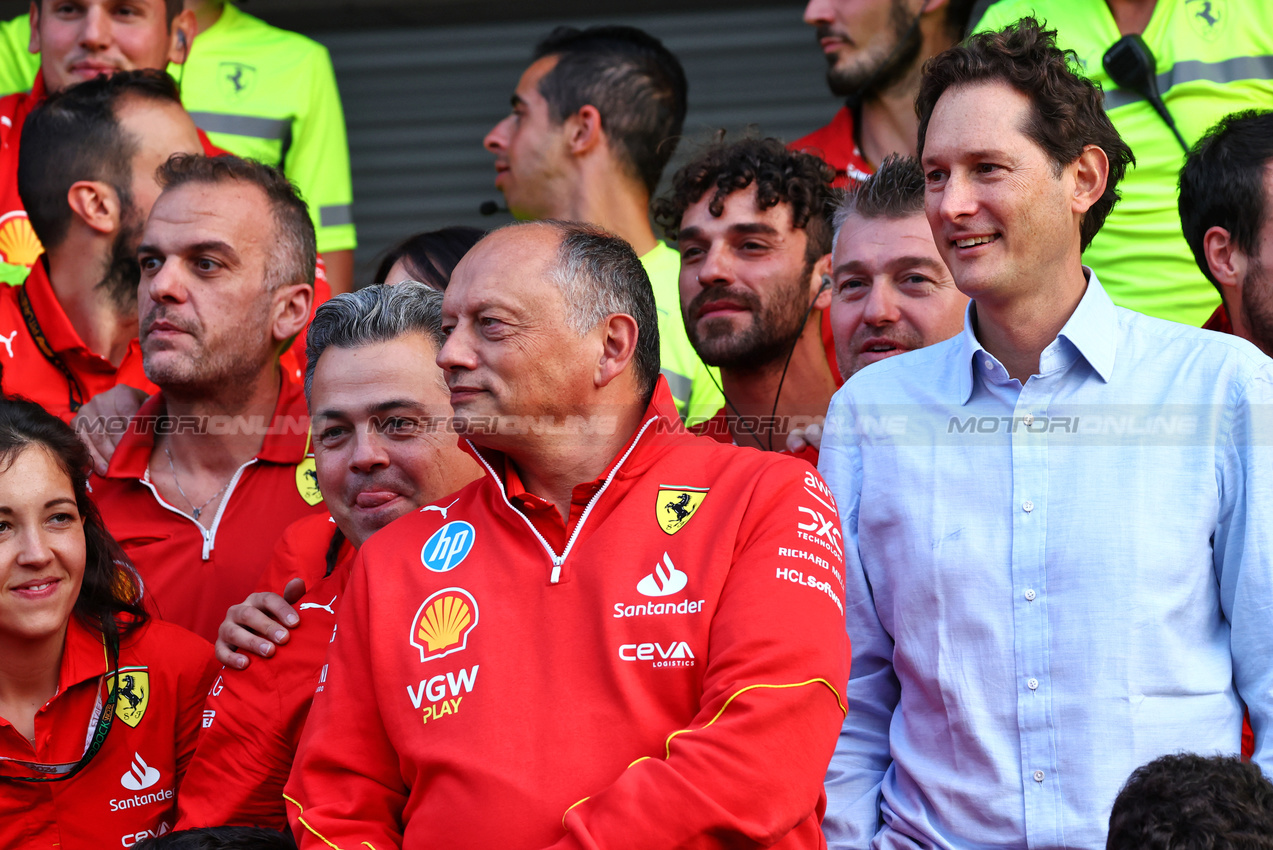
column 1222, row 184
column 430, row 257
column 781, row 176
column 1193, row 802
column 1069, row 109
column 111, row 587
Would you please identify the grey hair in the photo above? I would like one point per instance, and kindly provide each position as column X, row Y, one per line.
column 896, row 190
column 377, row 313
column 599, row 275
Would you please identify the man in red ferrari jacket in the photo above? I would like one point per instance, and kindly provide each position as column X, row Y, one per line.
column 382, row 449
column 620, row 633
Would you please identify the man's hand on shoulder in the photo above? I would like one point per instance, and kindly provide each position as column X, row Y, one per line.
column 118, row 402
column 251, row 625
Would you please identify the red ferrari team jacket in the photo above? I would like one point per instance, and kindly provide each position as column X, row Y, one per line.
column 127, row 792
column 192, row 574
column 674, row 677
column 253, row 718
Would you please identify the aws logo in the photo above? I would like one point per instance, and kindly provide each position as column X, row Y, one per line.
column 443, row 623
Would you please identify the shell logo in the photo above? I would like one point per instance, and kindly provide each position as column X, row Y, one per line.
column 443, row 623
column 19, row 246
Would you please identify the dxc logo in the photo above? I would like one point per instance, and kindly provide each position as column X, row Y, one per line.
column 821, row 530
column 448, row 546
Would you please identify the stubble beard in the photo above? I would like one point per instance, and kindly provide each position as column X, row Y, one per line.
column 874, row 74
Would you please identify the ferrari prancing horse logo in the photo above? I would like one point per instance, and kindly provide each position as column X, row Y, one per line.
column 677, row 505
column 133, row 694
column 307, row 482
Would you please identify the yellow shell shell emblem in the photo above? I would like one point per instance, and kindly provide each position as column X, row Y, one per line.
column 133, row 694
column 676, row 505
column 19, row 245
column 443, row 623
column 307, row 482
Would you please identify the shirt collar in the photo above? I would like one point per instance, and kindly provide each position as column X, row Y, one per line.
column 50, row 315
column 1092, row 330
column 83, row 656
column 286, row 441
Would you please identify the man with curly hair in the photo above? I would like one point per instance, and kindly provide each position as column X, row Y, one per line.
column 1192, row 802
column 1058, row 560
column 752, row 221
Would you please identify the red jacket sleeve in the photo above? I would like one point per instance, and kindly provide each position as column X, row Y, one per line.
column 750, row 766
column 192, row 689
column 236, row 778
column 355, row 790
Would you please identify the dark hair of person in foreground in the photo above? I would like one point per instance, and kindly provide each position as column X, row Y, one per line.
column 430, row 257
column 220, row 838
column 1193, row 802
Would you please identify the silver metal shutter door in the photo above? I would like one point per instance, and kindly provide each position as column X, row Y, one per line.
column 418, row 102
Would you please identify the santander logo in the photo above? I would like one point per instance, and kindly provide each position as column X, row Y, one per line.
column 664, row 581
column 140, row 775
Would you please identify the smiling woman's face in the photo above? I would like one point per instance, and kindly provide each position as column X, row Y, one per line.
column 41, row 547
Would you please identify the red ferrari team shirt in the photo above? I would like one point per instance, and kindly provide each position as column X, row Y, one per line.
column 717, row 428
column 673, row 676
column 43, row 358
column 836, row 144
column 193, row 574
column 253, row 718
column 128, row 791
column 302, row 553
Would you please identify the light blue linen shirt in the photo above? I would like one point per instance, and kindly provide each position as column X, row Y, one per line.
column 1048, row 585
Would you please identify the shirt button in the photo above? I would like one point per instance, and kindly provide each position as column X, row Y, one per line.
column 1033, row 684
column 1028, row 419
column 989, row 364
column 1027, row 506
column 1038, row 776
column 1029, row 595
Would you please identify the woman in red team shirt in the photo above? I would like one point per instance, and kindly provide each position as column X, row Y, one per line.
column 99, row 706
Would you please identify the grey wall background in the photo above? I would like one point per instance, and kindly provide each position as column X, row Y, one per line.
column 418, row 102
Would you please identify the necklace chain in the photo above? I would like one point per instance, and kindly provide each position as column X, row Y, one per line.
column 195, row 511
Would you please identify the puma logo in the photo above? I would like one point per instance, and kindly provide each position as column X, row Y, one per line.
column 328, row 607
column 8, row 343
column 438, row 509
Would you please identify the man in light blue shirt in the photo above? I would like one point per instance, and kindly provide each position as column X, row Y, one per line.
column 1058, row 524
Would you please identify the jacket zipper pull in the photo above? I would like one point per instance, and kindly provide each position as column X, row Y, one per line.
column 556, row 573
column 207, row 544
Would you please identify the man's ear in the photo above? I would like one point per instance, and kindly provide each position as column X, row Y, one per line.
column 96, row 204
column 821, row 274
column 619, row 343
column 292, row 303
column 181, row 37
column 1091, row 172
column 1227, row 262
column 33, row 46
column 583, row 130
